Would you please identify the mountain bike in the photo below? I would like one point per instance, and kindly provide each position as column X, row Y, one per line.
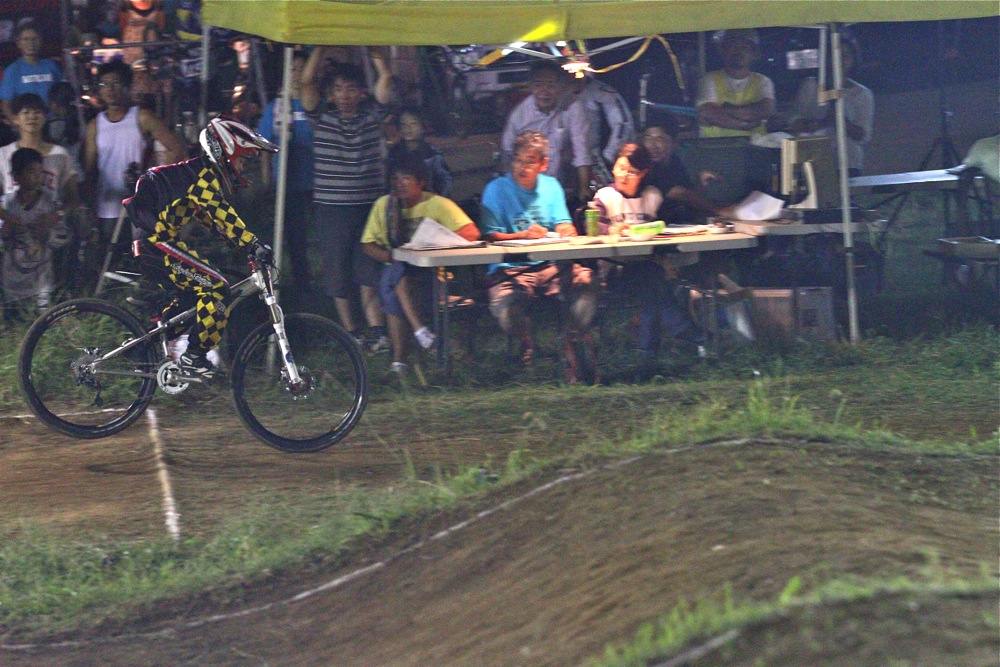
column 89, row 369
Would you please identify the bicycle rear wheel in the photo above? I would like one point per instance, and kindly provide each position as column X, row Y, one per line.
column 65, row 388
column 311, row 417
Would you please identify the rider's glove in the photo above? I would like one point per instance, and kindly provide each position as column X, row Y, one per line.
column 262, row 253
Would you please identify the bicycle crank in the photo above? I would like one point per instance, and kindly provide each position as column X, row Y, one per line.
column 168, row 377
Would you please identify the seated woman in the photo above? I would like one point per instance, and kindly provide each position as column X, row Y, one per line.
column 622, row 204
column 404, row 289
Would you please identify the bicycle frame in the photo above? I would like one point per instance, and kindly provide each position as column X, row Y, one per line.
column 259, row 282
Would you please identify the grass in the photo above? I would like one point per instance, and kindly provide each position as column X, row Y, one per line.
column 50, row 584
column 925, row 379
column 713, row 621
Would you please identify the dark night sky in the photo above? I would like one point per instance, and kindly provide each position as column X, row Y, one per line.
column 895, row 57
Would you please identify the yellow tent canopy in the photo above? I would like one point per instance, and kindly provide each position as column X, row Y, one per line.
column 433, row 22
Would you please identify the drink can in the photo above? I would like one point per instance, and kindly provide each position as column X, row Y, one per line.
column 592, row 216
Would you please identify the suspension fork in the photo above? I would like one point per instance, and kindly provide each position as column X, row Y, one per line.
column 278, row 322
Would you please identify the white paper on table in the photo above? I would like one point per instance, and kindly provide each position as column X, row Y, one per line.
column 432, row 235
column 758, row 206
column 520, row 243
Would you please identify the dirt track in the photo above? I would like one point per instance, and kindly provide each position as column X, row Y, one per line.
column 551, row 579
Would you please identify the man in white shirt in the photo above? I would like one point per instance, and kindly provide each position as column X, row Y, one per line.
column 117, row 139
column 859, row 108
column 563, row 121
column 606, row 107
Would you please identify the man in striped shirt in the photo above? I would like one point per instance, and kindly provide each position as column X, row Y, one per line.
column 348, row 151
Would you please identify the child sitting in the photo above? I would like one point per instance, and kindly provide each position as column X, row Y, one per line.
column 30, row 228
column 622, row 204
column 403, row 289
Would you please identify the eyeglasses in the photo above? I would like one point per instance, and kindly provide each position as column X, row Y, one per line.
column 627, row 173
column 526, row 162
column 110, row 84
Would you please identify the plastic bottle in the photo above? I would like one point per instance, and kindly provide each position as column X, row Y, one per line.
column 592, row 217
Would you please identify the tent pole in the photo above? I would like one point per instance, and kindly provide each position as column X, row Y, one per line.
column 822, row 87
column 845, row 196
column 284, row 117
column 643, row 98
column 205, row 52
column 69, row 66
column 64, row 19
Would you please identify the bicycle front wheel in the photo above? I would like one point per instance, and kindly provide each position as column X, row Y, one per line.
column 68, row 387
column 324, row 408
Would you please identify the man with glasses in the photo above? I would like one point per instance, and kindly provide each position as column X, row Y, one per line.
column 526, row 203
column 116, row 145
column 563, row 120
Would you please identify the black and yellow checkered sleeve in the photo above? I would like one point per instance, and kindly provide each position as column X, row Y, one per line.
column 215, row 212
column 172, row 219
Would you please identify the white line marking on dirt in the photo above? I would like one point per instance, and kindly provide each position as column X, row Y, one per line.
column 360, row 572
column 339, row 581
column 169, row 506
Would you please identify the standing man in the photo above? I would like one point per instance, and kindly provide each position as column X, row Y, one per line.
column 525, row 203
column 733, row 101
column 611, row 123
column 563, row 121
column 859, row 110
column 116, row 140
column 29, row 73
column 348, row 147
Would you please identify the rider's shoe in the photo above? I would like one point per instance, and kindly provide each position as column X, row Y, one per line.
column 195, row 365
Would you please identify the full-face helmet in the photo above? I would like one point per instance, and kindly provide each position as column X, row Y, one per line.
column 224, row 140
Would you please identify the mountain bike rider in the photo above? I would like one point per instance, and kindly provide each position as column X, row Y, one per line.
column 167, row 198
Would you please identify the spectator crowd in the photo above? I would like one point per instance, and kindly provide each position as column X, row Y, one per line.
column 362, row 176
